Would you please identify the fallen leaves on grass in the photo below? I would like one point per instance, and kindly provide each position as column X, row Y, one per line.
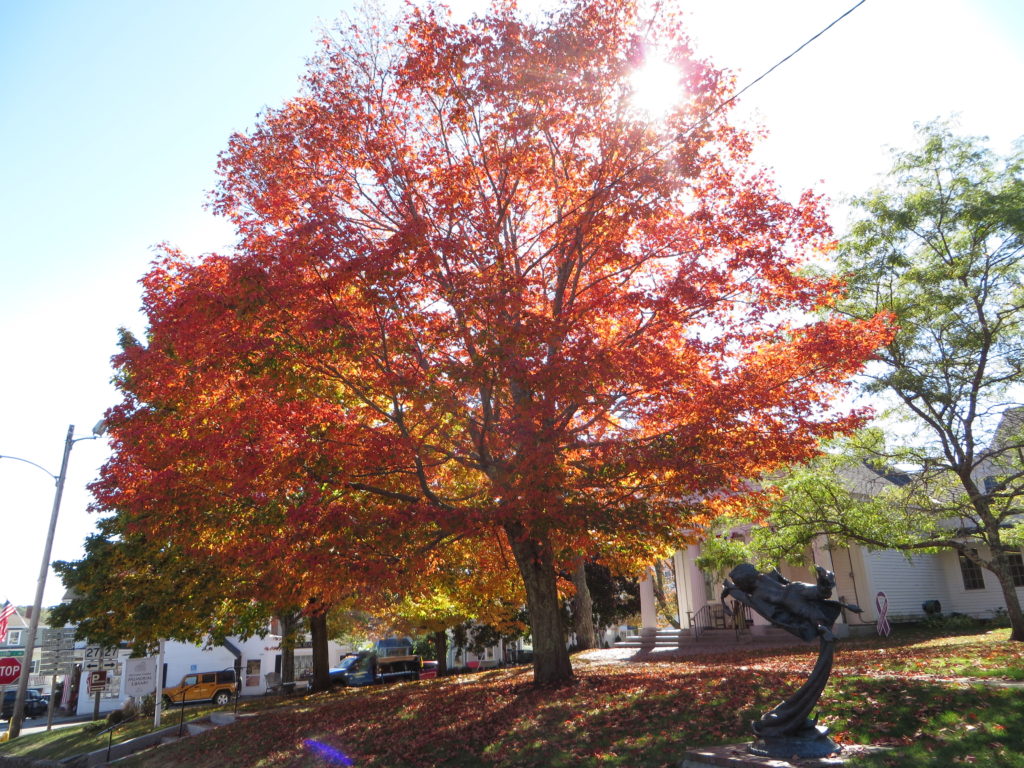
column 640, row 715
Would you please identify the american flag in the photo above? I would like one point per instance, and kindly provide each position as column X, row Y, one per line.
column 5, row 613
column 65, row 699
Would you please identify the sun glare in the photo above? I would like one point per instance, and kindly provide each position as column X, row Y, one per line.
column 655, row 86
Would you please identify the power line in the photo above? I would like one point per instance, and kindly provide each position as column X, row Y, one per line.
column 771, row 69
column 794, row 53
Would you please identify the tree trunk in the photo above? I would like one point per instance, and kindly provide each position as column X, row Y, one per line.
column 551, row 665
column 321, row 660
column 1001, row 568
column 290, row 624
column 440, row 640
column 583, row 609
column 658, row 581
column 287, row 661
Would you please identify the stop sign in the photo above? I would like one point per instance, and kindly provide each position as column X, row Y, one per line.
column 10, row 670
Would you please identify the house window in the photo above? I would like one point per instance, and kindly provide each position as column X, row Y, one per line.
column 971, row 573
column 14, row 637
column 252, row 672
column 303, row 666
column 1016, row 563
column 711, row 586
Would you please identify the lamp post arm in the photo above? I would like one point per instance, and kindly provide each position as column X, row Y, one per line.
column 40, row 466
column 14, row 727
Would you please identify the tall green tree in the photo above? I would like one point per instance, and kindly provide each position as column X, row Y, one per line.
column 940, row 247
column 131, row 587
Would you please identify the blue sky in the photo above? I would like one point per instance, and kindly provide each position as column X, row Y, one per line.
column 112, row 114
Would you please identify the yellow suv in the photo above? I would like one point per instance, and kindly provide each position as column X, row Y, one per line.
column 217, row 687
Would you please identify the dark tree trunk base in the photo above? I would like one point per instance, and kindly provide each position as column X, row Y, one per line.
column 551, row 664
column 440, row 641
column 321, row 657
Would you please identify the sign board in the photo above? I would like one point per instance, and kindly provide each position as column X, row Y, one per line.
column 19, row 653
column 59, row 639
column 58, row 650
column 10, row 670
column 49, row 665
column 97, row 680
column 100, row 657
column 140, row 676
column 54, row 662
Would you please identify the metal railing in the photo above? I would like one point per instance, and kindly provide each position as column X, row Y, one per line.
column 712, row 616
column 741, row 618
column 700, row 621
column 110, row 732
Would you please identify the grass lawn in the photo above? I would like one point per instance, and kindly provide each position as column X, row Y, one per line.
column 86, row 737
column 637, row 714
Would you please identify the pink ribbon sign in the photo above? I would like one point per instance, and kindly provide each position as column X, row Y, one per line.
column 882, row 604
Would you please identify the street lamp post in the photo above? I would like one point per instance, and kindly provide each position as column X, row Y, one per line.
column 14, row 728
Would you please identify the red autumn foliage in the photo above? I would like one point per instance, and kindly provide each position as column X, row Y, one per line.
column 478, row 295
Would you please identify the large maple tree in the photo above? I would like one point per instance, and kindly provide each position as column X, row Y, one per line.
column 484, row 294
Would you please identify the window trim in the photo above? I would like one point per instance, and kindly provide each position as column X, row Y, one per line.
column 971, row 574
column 1016, row 566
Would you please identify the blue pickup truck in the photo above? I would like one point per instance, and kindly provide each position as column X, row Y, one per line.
column 367, row 668
column 35, row 704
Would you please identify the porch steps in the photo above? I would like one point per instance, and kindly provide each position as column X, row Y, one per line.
column 663, row 638
column 709, row 639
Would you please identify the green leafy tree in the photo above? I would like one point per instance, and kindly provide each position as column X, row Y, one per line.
column 128, row 586
column 614, row 598
column 941, row 248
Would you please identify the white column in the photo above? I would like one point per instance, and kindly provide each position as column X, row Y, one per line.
column 648, row 609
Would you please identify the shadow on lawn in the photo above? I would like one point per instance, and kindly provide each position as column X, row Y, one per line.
column 631, row 716
column 640, row 716
column 926, row 724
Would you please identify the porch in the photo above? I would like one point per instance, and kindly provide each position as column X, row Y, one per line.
column 680, row 605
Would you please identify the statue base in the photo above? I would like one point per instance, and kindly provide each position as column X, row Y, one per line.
column 809, row 743
column 740, row 756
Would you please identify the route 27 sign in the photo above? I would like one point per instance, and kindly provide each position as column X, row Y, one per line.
column 100, row 657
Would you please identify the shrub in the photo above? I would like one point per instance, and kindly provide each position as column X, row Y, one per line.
column 115, row 717
column 147, row 705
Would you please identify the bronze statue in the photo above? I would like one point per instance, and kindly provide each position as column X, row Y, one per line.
column 806, row 611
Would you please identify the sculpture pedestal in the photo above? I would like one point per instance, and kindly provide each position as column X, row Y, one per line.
column 740, row 756
column 812, row 742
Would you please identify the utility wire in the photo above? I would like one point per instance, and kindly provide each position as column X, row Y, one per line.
column 794, row 53
column 771, row 69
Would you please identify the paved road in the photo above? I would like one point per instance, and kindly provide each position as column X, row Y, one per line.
column 35, row 724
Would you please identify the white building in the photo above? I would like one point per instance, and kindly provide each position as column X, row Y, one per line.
column 256, row 658
column 870, row 579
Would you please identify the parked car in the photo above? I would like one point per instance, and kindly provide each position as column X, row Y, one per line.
column 217, row 687
column 367, row 668
column 35, row 704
